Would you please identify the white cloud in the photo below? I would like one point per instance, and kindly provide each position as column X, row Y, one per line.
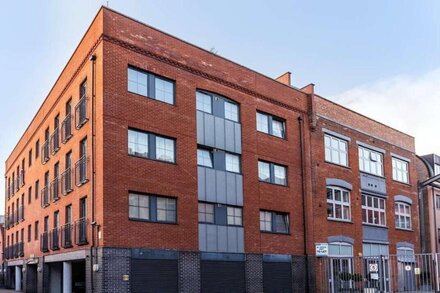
column 408, row 103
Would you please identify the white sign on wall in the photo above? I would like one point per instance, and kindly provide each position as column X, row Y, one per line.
column 321, row 249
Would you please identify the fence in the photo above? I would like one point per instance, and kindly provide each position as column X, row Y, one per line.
column 390, row 273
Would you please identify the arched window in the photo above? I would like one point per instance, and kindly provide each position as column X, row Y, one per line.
column 340, row 249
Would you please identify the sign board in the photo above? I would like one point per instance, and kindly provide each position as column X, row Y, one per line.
column 417, row 271
column 407, row 268
column 374, row 276
column 373, row 267
column 321, row 249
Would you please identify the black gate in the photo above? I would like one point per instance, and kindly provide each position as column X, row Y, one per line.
column 223, row 276
column 154, row 275
column 277, row 277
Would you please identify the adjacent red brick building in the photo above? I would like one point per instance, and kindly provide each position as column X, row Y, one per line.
column 155, row 164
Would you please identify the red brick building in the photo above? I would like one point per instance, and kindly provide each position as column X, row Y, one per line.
column 155, row 164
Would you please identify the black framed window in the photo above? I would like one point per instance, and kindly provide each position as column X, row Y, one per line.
column 29, row 232
column 206, row 213
column 217, row 105
column 152, row 208
column 151, row 146
column 275, row 222
column 36, row 230
column 218, row 159
column 150, row 85
column 220, row 214
column 272, row 173
column 30, row 158
column 270, row 124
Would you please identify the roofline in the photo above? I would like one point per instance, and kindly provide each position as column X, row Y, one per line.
column 53, row 86
column 357, row 113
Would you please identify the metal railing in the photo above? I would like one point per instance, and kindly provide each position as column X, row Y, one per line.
column 45, row 199
column 81, row 113
column 55, row 141
column 66, row 235
column 44, row 242
column 66, row 181
column 21, row 181
column 20, row 215
column 17, row 183
column 45, row 152
column 55, row 189
column 81, row 175
column 80, row 231
column 66, row 128
column 54, row 237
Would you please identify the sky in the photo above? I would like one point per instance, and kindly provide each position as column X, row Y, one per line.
column 380, row 58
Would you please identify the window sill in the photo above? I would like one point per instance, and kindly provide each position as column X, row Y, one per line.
column 338, row 165
column 150, row 221
column 340, row 221
column 151, row 98
column 372, row 174
column 271, row 135
column 271, row 183
column 402, row 183
column 223, row 225
column 275, row 233
column 404, row 230
column 155, row 160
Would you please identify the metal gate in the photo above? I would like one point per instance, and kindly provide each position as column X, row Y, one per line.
column 386, row 273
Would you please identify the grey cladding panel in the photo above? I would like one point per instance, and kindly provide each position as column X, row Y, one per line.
column 220, row 186
column 376, row 234
column 218, row 132
column 215, row 238
column 373, row 184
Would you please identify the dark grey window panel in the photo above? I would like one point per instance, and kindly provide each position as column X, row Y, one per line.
column 340, row 238
column 220, row 186
column 215, row 256
column 403, row 198
column 277, row 258
column 153, row 254
column 338, row 182
column 218, row 132
column 215, row 238
column 375, row 234
column 373, row 184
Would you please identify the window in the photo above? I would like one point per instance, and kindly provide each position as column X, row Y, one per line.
column 204, row 158
column 151, row 146
column 37, row 149
column 272, row 173
column 150, row 85
column 436, row 169
column 370, row 161
column 204, row 102
column 372, row 249
column 403, row 215
column 336, row 150
column 83, row 208
column 340, row 249
column 338, row 203
column 29, row 233
column 405, row 254
column 231, row 111
column 152, row 208
column 232, row 163
column 30, row 158
column 235, row 216
column 274, row 222
column 29, row 194
column 206, row 213
column 68, row 215
column 400, row 170
column 437, row 201
column 37, row 189
column 271, row 125
column 166, row 209
column 373, row 210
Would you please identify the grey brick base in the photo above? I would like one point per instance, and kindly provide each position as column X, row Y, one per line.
column 254, row 273
column 189, row 272
column 113, row 264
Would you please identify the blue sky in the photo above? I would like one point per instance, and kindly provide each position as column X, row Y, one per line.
column 363, row 54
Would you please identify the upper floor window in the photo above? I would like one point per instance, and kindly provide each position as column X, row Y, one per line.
column 30, row 158
column 151, row 146
column 217, row 105
column 204, row 158
column 152, row 208
column 373, row 210
column 437, row 201
column 206, row 213
column 436, row 169
column 272, row 173
column 219, row 160
column 220, row 214
column 275, row 222
column 235, row 216
column 400, row 170
column 37, row 148
column 271, row 125
column 336, row 150
column 150, row 85
column 403, row 215
column 370, row 161
column 338, row 203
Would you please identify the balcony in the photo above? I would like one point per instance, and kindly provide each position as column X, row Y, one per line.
column 81, row 113
column 20, row 214
column 20, row 249
column 55, row 189
column 55, row 141
column 44, row 242
column 54, row 237
column 66, row 181
column 81, row 175
column 45, row 152
column 66, row 236
column 45, row 196
column 80, row 231
column 66, row 128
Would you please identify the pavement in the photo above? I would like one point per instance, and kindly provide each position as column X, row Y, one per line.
column 6, row 291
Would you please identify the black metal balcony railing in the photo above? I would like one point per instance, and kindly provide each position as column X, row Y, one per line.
column 20, row 214
column 55, row 141
column 66, row 236
column 80, row 231
column 20, row 249
column 45, row 196
column 55, row 189
column 44, row 242
column 54, row 237
column 66, row 181
column 81, row 171
column 7, row 252
column 45, row 152
column 66, row 128
column 17, row 183
column 81, row 112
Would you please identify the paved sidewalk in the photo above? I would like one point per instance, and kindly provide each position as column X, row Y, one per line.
column 6, row 291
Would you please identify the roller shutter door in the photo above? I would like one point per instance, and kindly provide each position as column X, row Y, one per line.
column 223, row 276
column 277, row 277
column 154, row 276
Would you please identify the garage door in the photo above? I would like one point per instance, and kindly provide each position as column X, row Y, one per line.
column 277, row 277
column 153, row 276
column 223, row 276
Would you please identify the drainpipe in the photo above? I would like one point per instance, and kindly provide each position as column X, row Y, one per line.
column 434, row 213
column 93, row 223
column 303, row 167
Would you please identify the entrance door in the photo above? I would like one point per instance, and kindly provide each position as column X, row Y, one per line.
column 378, row 273
column 341, row 270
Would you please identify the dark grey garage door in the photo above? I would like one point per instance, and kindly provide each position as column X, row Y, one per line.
column 277, row 277
column 223, row 277
column 153, row 276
